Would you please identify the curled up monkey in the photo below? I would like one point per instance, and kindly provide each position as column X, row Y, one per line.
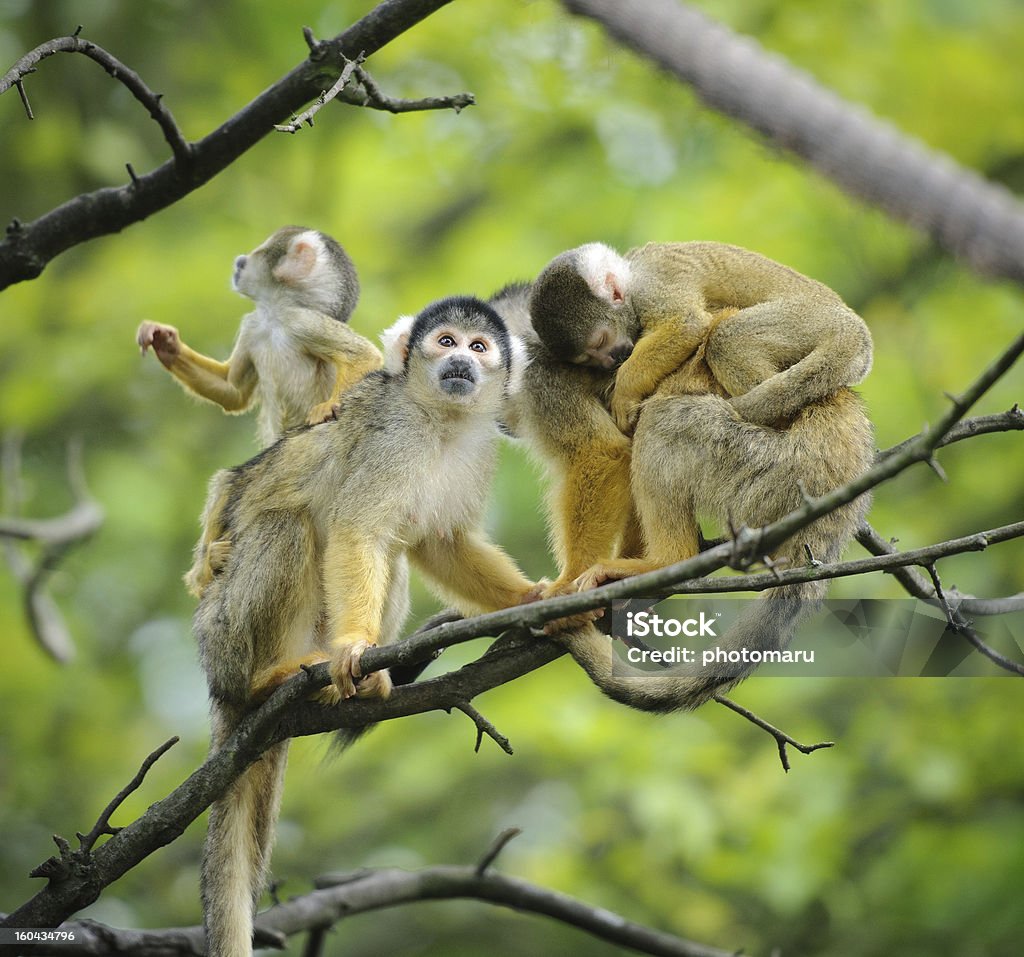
column 318, row 522
column 733, row 375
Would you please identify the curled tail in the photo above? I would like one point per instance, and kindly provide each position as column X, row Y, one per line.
column 766, row 624
column 237, row 851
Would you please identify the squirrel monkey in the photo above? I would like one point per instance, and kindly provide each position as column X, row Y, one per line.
column 318, row 522
column 295, row 354
column 736, row 371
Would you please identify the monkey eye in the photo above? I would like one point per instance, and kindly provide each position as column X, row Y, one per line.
column 446, row 341
column 478, row 345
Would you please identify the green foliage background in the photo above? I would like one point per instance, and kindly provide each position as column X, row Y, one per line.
column 906, row 838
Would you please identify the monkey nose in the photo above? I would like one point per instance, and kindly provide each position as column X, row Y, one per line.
column 620, row 354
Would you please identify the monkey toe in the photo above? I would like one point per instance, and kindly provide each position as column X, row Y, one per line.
column 322, row 412
column 536, row 593
column 345, row 670
column 329, row 695
column 217, row 554
column 605, row 572
column 559, row 625
column 376, row 685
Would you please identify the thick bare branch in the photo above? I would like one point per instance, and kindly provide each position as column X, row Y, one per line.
column 343, row 895
column 287, row 713
column 976, row 220
column 29, row 247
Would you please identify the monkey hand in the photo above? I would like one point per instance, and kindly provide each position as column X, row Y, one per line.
column 347, row 675
column 164, row 340
column 556, row 590
column 535, row 593
column 322, row 412
column 625, row 410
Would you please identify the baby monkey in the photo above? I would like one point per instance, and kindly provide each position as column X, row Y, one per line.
column 749, row 365
column 318, row 523
column 294, row 354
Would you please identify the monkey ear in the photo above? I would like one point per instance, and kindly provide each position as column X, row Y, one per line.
column 299, row 261
column 395, row 340
column 605, row 272
column 519, row 359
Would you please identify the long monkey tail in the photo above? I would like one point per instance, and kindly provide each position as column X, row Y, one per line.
column 767, row 624
column 237, row 852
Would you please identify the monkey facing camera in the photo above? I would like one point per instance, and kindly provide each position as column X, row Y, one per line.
column 319, row 524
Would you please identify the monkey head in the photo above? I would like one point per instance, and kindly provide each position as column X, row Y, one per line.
column 458, row 349
column 300, row 267
column 581, row 308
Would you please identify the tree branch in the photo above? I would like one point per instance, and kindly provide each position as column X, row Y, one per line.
column 287, row 713
column 29, row 247
column 781, row 738
column 978, row 221
column 123, row 74
column 370, row 95
column 306, row 116
column 55, row 536
column 343, row 895
column 917, row 586
column 1012, row 420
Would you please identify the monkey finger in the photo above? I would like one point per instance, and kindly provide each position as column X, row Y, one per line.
column 536, row 593
column 322, row 412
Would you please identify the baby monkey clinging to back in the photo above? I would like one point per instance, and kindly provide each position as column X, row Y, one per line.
column 735, row 373
column 294, row 354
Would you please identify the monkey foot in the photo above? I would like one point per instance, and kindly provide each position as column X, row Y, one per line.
column 348, row 678
column 567, row 587
column 604, row 572
column 270, row 679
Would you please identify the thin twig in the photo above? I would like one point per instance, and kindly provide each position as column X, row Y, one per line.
column 102, row 825
column 781, row 738
column 55, row 536
column 60, row 867
column 323, row 99
column 370, row 95
column 1010, row 421
column 483, row 726
column 491, row 855
column 915, row 584
column 125, row 75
